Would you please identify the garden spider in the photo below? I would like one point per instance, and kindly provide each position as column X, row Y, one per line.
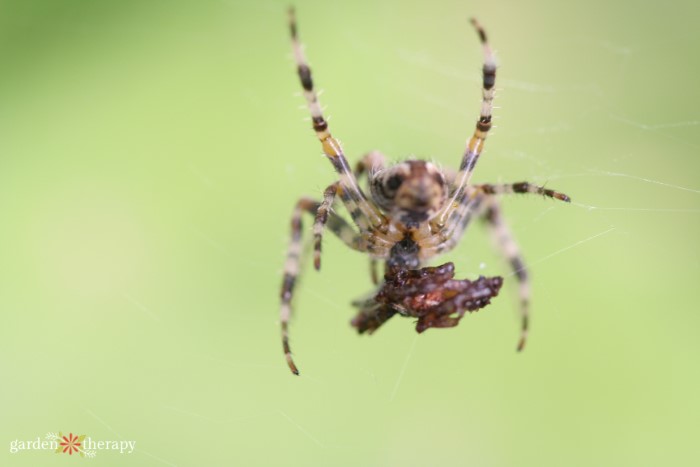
column 415, row 211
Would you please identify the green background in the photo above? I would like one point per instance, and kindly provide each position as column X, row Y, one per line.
column 150, row 155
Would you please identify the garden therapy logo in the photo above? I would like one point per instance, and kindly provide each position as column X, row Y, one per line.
column 70, row 444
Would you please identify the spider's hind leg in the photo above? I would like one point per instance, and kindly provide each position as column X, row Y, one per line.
column 291, row 272
column 505, row 241
column 324, row 217
column 506, row 244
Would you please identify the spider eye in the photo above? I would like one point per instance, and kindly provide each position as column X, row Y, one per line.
column 394, row 182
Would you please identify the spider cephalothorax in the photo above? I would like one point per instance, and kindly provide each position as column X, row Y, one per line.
column 412, row 191
column 416, row 211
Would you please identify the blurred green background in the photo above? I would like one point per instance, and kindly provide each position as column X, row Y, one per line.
column 150, row 155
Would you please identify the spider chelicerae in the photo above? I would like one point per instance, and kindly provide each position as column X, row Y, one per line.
column 415, row 211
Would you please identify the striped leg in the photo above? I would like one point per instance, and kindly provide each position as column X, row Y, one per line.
column 520, row 187
column 331, row 146
column 292, row 265
column 469, row 206
column 326, row 217
column 506, row 243
column 291, row 271
column 320, row 221
column 371, row 162
column 483, row 125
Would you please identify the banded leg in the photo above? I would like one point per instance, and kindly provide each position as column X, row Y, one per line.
column 520, row 187
column 320, row 221
column 483, row 125
column 470, row 205
column 370, row 163
column 331, row 146
column 291, row 271
column 292, row 265
column 506, row 244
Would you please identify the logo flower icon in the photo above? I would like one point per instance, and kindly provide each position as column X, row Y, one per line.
column 71, row 443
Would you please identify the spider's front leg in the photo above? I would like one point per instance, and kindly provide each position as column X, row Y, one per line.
column 367, row 215
column 475, row 145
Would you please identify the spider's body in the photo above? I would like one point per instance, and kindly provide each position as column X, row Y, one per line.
column 415, row 211
column 411, row 192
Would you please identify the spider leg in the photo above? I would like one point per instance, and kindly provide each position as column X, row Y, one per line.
column 520, row 187
column 291, row 267
column 506, row 243
column 320, row 221
column 371, row 162
column 291, row 271
column 478, row 203
column 326, row 217
column 475, row 144
column 469, row 204
column 447, row 237
column 331, row 146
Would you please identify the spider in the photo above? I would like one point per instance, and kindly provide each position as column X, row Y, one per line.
column 414, row 212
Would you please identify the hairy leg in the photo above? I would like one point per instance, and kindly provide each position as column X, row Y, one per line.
column 292, row 265
column 520, row 187
column 505, row 242
column 330, row 145
column 475, row 145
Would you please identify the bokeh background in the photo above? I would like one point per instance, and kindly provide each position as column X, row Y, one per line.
column 150, row 155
